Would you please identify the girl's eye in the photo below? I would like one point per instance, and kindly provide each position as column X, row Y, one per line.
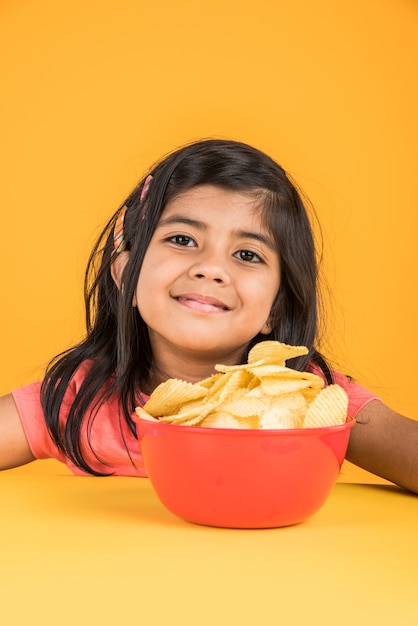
column 182, row 240
column 248, row 256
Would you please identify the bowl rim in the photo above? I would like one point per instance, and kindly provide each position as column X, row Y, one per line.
column 246, row 432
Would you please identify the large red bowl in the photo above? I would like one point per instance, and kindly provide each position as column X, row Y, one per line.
column 242, row 478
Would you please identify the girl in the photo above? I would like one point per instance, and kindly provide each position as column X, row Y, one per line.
column 210, row 254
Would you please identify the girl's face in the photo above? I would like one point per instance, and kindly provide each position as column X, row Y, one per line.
column 209, row 278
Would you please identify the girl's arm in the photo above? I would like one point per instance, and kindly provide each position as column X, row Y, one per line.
column 14, row 448
column 386, row 444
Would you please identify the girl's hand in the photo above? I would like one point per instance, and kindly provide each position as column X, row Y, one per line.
column 14, row 448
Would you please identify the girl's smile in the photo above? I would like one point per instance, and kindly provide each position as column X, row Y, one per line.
column 208, row 281
column 202, row 303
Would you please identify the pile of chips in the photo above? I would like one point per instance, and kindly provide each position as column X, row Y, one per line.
column 263, row 393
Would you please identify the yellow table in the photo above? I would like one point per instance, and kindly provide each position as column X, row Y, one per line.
column 101, row 551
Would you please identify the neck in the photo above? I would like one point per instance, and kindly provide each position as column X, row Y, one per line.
column 159, row 375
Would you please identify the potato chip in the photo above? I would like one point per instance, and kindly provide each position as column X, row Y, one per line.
column 221, row 419
column 280, row 371
column 171, row 394
column 246, row 406
column 218, row 388
column 310, row 393
column 287, row 411
column 236, row 382
column 208, row 383
column 190, row 405
column 234, row 368
column 274, row 419
column 329, row 408
column 196, row 414
column 274, row 352
column 144, row 415
column 274, row 386
column 195, row 421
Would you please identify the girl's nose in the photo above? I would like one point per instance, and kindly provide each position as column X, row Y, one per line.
column 211, row 270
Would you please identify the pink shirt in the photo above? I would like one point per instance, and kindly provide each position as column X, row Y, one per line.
column 110, row 436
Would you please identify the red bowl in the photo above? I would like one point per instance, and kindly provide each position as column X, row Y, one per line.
column 242, row 478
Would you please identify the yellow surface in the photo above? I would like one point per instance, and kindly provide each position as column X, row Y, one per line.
column 104, row 551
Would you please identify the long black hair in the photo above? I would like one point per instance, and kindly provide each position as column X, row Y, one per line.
column 117, row 345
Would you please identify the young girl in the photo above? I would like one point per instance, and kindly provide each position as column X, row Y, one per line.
column 211, row 253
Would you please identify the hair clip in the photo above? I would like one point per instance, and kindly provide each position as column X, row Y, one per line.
column 145, row 188
column 144, row 194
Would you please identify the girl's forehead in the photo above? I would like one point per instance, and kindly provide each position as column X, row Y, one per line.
column 205, row 197
column 208, row 207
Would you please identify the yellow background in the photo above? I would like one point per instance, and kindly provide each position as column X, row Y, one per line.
column 93, row 91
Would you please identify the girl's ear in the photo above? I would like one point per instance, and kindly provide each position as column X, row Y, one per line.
column 266, row 328
column 117, row 267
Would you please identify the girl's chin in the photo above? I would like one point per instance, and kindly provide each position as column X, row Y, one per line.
column 218, row 346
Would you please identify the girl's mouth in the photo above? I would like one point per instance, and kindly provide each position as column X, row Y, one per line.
column 202, row 303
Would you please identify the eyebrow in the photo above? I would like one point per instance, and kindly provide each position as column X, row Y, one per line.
column 243, row 234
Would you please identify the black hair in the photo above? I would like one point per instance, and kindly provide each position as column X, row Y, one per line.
column 117, row 345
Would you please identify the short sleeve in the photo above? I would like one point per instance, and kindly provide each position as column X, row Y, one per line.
column 28, row 403
column 358, row 396
column 106, row 441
